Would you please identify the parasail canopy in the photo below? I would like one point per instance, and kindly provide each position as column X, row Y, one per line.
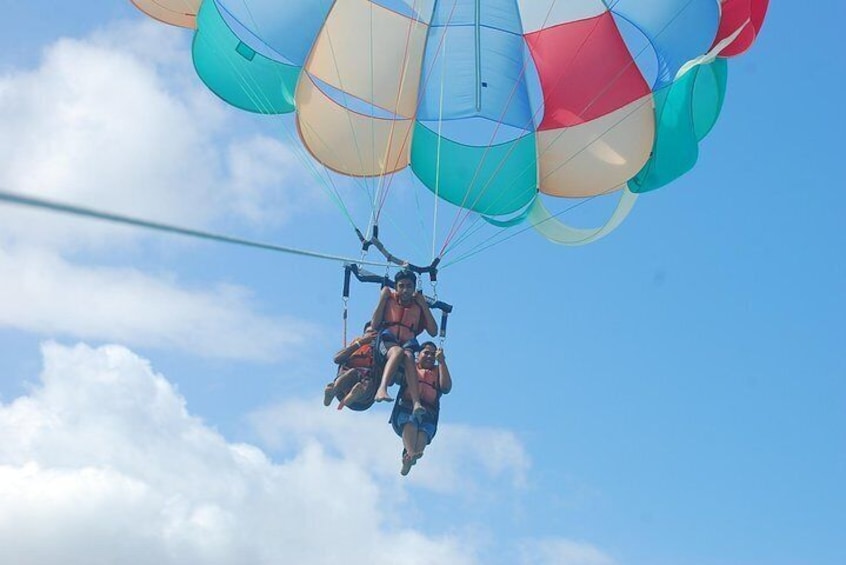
column 498, row 107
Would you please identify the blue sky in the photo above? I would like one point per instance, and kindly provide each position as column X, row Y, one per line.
column 673, row 394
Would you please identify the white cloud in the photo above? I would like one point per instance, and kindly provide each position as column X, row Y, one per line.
column 119, row 122
column 558, row 551
column 269, row 182
column 454, row 461
column 44, row 294
column 102, row 463
column 112, row 122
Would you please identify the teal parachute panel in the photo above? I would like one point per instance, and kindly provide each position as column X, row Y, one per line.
column 235, row 72
column 492, row 180
column 685, row 111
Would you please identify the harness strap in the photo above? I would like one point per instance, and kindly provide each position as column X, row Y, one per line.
column 387, row 324
column 346, row 298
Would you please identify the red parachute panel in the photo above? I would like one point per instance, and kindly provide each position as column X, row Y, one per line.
column 735, row 13
column 586, row 71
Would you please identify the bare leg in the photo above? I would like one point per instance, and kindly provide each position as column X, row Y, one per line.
column 355, row 394
column 412, row 384
column 329, row 391
column 409, row 440
column 422, row 440
column 414, row 442
column 340, row 382
column 395, row 356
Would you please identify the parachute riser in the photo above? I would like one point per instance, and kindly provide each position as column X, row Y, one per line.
column 431, row 269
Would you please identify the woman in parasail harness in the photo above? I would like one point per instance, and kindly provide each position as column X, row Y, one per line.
column 401, row 316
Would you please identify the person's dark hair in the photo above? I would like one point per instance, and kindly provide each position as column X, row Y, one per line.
column 407, row 275
column 425, row 343
column 367, row 326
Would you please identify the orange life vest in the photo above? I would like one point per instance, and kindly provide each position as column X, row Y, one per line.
column 403, row 321
column 429, row 386
column 361, row 357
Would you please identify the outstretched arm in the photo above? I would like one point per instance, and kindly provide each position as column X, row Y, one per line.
column 445, row 379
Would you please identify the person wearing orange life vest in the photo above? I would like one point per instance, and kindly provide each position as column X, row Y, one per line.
column 400, row 316
column 417, row 431
column 355, row 371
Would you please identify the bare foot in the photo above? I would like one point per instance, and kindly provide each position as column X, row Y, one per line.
column 382, row 396
column 407, row 462
column 328, row 394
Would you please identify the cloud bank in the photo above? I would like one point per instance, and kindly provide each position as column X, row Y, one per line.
column 45, row 294
column 103, row 463
column 113, row 122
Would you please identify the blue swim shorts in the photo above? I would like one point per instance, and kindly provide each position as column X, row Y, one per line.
column 388, row 340
column 427, row 424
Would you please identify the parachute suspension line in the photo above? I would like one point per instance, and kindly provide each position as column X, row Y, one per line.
column 378, row 185
column 406, row 232
column 466, row 213
column 391, row 155
column 588, row 106
column 427, row 75
column 70, row 209
column 301, row 152
column 406, row 139
column 482, row 245
column 385, row 179
column 328, row 183
column 438, row 156
column 328, row 146
column 420, row 220
column 466, row 235
column 384, row 187
column 402, row 229
column 456, row 225
column 346, row 102
column 264, row 105
column 476, row 225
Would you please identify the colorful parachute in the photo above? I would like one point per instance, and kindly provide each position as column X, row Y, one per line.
column 491, row 103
